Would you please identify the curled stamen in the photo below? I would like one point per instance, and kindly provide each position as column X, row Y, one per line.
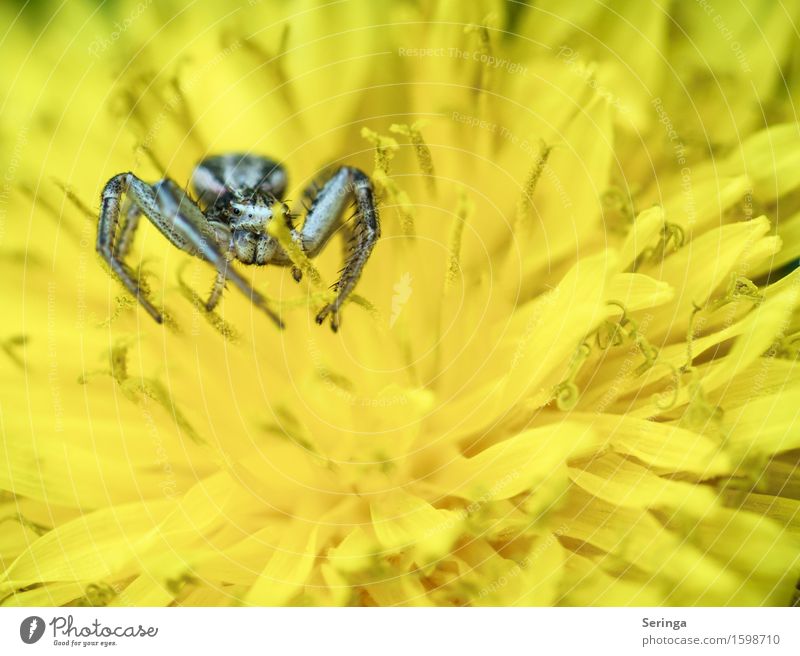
column 624, row 318
column 566, row 393
column 671, row 233
column 689, row 338
column 615, row 331
column 610, row 332
column 676, row 389
column 648, row 351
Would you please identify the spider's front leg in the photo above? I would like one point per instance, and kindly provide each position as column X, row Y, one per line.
column 178, row 218
column 324, row 216
column 141, row 195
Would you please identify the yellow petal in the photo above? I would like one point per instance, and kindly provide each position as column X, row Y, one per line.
column 403, row 591
column 89, row 548
column 520, row 463
column 637, row 291
column 765, row 425
column 643, row 234
column 772, row 160
column 53, row 594
column 287, row 570
column 404, row 521
column 144, row 590
column 625, row 483
column 356, row 552
column 667, row 447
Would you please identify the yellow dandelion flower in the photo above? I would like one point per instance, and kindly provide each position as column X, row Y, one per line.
column 567, row 376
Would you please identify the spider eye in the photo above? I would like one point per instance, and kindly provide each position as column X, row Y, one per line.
column 237, row 211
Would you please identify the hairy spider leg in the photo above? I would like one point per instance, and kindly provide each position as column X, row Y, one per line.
column 324, row 217
column 129, row 222
column 115, row 188
column 179, row 220
column 216, row 292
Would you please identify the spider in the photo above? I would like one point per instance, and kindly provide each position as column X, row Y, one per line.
column 237, row 196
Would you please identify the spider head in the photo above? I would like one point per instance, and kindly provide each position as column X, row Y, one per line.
column 250, row 208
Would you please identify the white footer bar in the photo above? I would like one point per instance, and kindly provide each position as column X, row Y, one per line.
column 400, row 631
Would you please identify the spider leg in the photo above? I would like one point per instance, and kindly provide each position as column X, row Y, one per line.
column 115, row 188
column 346, row 232
column 324, row 217
column 216, row 291
column 347, row 239
column 131, row 215
column 178, row 219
